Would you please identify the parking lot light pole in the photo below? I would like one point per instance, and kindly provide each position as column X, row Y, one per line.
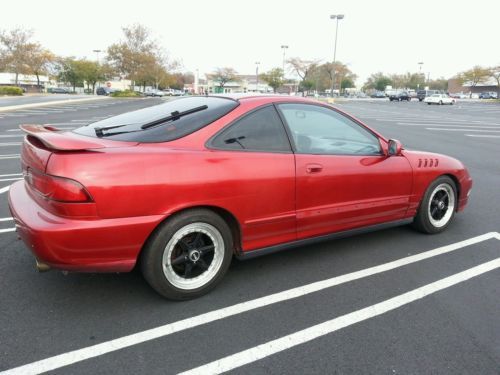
column 335, row 17
column 257, row 76
column 284, row 48
column 97, row 51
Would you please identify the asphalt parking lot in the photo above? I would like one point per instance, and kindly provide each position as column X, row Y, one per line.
column 394, row 301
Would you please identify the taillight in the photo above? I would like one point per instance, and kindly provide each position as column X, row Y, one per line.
column 56, row 188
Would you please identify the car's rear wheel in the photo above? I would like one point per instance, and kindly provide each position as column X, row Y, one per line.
column 429, row 103
column 438, row 206
column 188, row 254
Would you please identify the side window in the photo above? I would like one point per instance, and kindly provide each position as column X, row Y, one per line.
column 319, row 130
column 261, row 130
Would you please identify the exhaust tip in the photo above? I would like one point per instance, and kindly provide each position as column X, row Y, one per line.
column 42, row 267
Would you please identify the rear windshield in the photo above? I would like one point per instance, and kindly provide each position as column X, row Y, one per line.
column 161, row 123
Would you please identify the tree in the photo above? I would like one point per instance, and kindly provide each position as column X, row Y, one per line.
column 346, row 83
column 70, row 71
column 274, row 78
column 438, row 84
column 38, row 60
column 224, row 75
column 494, row 72
column 14, row 50
column 339, row 72
column 474, row 76
column 377, row 81
column 302, row 67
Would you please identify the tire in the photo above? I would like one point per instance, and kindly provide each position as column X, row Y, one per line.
column 420, row 100
column 201, row 244
column 429, row 103
column 438, row 206
column 440, row 102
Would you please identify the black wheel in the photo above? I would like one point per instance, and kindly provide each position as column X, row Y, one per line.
column 420, row 100
column 429, row 103
column 438, row 206
column 188, row 255
column 440, row 102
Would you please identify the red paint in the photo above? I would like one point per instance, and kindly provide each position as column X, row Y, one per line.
column 274, row 197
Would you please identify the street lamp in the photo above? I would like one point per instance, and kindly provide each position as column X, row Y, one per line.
column 333, row 17
column 284, row 48
column 97, row 51
column 420, row 72
column 257, row 76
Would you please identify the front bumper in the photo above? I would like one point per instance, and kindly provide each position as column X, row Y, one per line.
column 102, row 245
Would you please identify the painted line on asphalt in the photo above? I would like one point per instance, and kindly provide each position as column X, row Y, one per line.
column 7, row 230
column 10, row 157
column 10, row 179
column 10, row 144
column 11, row 135
column 97, row 350
column 474, row 126
column 4, row 189
column 465, row 130
column 300, row 337
column 11, row 174
column 482, row 136
column 49, row 103
column 6, row 218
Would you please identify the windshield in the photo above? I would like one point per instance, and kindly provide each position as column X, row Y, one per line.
column 161, row 123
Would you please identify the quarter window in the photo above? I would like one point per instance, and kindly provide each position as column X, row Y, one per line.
column 320, row 130
column 261, row 130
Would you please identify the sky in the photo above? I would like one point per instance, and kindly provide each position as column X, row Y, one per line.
column 387, row 36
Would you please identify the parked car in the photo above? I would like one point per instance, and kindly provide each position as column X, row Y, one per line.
column 378, row 95
column 58, row 90
column 488, row 95
column 177, row 92
column 422, row 94
column 153, row 93
column 439, row 99
column 105, row 90
column 400, row 96
column 180, row 188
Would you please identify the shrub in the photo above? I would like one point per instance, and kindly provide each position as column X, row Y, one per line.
column 125, row 94
column 10, row 90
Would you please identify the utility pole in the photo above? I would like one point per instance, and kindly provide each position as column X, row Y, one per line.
column 335, row 17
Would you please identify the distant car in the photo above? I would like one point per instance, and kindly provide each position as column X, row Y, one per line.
column 400, row 96
column 488, row 95
column 377, row 95
column 105, row 91
column 439, row 99
column 58, row 90
column 422, row 94
column 361, row 95
column 154, row 93
column 177, row 92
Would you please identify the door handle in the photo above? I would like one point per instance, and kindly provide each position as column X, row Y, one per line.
column 314, row 168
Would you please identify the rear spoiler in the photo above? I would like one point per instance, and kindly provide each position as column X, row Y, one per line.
column 55, row 139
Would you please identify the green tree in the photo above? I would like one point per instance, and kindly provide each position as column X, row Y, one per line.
column 70, row 71
column 474, row 76
column 494, row 72
column 346, row 83
column 273, row 78
column 439, row 84
column 377, row 81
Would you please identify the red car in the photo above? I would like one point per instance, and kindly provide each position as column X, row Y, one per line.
column 181, row 187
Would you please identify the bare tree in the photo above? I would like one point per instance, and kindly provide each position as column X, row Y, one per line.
column 224, row 75
column 38, row 60
column 302, row 67
column 494, row 73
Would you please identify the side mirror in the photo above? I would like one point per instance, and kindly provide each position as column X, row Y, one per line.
column 394, row 147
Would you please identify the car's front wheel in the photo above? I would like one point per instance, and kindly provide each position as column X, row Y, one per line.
column 438, row 206
column 188, row 254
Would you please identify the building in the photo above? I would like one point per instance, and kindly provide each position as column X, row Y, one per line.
column 455, row 86
column 242, row 84
column 27, row 82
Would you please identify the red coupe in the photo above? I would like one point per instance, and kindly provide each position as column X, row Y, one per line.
column 181, row 187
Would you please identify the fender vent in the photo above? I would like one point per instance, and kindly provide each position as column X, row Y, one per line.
column 428, row 163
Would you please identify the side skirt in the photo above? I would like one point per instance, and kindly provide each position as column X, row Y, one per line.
column 309, row 241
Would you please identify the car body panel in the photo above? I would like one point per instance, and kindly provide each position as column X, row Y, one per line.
column 273, row 200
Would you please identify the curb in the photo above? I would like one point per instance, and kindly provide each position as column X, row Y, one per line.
column 44, row 104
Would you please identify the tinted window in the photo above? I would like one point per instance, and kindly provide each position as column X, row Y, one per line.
column 127, row 127
column 261, row 130
column 320, row 130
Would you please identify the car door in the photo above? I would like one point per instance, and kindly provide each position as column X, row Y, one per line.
column 344, row 179
column 257, row 173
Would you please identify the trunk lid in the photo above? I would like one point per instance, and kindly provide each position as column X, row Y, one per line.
column 43, row 140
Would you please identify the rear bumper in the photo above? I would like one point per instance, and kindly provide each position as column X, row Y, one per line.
column 104, row 245
column 465, row 191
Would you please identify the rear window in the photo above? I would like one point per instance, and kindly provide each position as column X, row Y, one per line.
column 161, row 123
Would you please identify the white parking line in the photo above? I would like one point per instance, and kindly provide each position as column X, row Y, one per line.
column 7, row 230
column 10, row 144
column 11, row 135
column 465, row 130
column 11, row 174
column 79, row 355
column 452, row 125
column 482, row 136
column 275, row 346
column 4, row 189
column 6, row 218
column 10, row 179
